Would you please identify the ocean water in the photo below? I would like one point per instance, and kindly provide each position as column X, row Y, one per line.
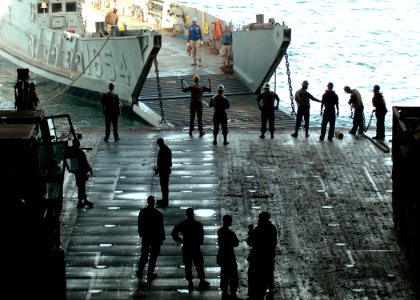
column 358, row 43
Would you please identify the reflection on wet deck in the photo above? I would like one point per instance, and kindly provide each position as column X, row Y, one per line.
column 104, row 247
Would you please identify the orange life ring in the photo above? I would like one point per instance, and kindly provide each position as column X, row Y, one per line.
column 217, row 31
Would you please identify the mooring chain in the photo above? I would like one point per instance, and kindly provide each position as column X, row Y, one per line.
column 289, row 79
column 159, row 89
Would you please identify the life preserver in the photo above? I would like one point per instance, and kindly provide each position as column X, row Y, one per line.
column 217, row 34
column 206, row 29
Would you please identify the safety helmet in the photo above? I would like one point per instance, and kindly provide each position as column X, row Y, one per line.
column 32, row 84
column 194, row 19
column 376, row 88
column 221, row 88
column 305, row 83
column 266, row 86
column 196, row 78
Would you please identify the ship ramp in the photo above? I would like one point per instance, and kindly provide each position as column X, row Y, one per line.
column 173, row 63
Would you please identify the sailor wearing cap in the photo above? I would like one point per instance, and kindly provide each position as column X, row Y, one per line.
column 329, row 103
column 268, row 101
column 220, row 104
column 227, row 44
column 302, row 98
column 195, row 41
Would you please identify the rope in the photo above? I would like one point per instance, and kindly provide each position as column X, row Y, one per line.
column 81, row 73
column 381, row 145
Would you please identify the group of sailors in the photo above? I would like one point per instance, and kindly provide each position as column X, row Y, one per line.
column 190, row 233
column 268, row 102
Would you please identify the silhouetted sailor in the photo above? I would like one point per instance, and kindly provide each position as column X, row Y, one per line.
column 33, row 97
column 302, row 98
column 263, row 240
column 380, row 110
column 226, row 259
column 196, row 102
column 81, row 173
column 356, row 102
column 164, row 164
column 268, row 101
column 152, row 234
column 192, row 238
column 329, row 103
column 111, row 110
column 220, row 104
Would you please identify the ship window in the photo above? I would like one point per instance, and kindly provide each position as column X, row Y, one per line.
column 42, row 7
column 57, row 7
column 71, row 7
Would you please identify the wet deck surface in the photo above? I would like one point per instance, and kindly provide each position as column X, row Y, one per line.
column 330, row 201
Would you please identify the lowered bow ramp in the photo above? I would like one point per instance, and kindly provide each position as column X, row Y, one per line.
column 270, row 42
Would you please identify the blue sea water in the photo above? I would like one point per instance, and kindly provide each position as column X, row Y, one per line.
column 358, row 43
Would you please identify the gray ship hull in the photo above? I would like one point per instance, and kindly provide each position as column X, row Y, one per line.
column 52, row 42
column 56, row 46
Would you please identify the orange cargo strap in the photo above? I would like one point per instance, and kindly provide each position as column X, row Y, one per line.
column 217, row 31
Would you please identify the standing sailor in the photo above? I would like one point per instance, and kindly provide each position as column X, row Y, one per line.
column 196, row 102
column 195, row 41
column 220, row 104
column 380, row 110
column 302, row 98
column 268, row 101
column 356, row 102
